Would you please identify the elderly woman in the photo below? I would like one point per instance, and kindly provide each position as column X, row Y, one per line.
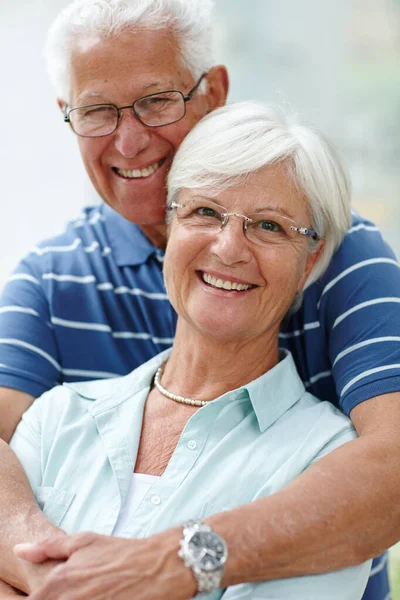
column 257, row 205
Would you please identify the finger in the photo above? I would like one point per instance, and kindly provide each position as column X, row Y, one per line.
column 58, row 548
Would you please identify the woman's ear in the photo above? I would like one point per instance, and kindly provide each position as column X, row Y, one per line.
column 312, row 259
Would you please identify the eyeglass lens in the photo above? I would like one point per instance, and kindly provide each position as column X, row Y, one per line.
column 153, row 110
column 262, row 228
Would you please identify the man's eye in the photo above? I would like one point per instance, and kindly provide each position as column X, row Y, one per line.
column 156, row 101
column 97, row 112
column 206, row 211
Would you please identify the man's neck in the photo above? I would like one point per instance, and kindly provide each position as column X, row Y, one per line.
column 157, row 234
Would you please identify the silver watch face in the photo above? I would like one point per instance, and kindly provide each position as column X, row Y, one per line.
column 208, row 550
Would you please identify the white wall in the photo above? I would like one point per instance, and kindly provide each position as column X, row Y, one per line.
column 43, row 182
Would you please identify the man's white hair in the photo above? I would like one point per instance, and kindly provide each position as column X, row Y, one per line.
column 236, row 140
column 190, row 20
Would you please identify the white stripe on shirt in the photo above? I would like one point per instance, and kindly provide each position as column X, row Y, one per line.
column 297, row 332
column 107, row 329
column 139, row 292
column 366, row 374
column 94, row 218
column 317, row 377
column 141, row 336
column 81, row 325
column 379, row 340
column 73, row 278
column 364, row 305
column 46, row 249
column 84, row 279
column 14, row 342
column 24, row 277
column 93, row 246
column 28, row 311
column 363, row 226
column 89, row 374
column 380, row 566
column 360, row 265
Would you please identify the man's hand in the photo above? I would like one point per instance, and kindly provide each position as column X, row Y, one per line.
column 101, row 567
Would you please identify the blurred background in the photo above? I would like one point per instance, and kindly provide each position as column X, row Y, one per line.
column 336, row 62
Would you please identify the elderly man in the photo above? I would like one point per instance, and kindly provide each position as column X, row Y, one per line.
column 132, row 79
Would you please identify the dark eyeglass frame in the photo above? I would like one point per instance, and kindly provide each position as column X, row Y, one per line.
column 187, row 98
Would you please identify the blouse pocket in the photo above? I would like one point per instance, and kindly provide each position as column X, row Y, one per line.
column 54, row 502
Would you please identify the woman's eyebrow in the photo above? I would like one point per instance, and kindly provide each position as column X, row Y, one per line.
column 270, row 208
column 275, row 209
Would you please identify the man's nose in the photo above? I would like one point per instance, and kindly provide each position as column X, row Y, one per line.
column 131, row 136
column 231, row 244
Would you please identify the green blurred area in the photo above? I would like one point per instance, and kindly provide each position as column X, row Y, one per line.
column 394, row 571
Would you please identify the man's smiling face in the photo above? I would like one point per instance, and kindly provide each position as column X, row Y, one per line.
column 129, row 167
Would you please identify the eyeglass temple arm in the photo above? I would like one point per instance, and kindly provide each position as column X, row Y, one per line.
column 306, row 231
column 66, row 117
column 192, row 91
column 175, row 205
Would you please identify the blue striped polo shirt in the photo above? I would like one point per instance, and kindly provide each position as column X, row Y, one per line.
column 91, row 303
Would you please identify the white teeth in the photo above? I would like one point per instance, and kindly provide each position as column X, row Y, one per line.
column 226, row 285
column 137, row 173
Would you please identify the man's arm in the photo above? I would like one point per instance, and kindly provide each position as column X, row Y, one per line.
column 20, row 517
column 341, row 511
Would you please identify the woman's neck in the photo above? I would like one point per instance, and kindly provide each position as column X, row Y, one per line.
column 204, row 367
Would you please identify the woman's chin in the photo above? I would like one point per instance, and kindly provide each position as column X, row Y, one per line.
column 220, row 328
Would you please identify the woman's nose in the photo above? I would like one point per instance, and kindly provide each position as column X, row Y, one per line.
column 231, row 244
column 131, row 136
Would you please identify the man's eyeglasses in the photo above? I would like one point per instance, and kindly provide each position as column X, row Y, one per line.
column 263, row 228
column 153, row 110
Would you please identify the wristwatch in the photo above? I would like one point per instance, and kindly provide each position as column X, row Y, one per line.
column 205, row 552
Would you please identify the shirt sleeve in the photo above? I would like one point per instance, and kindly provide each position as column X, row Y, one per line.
column 330, row 430
column 26, row 443
column 347, row 584
column 360, row 308
column 28, row 351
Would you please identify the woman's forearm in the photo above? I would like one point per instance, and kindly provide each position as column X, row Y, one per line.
column 340, row 512
column 20, row 517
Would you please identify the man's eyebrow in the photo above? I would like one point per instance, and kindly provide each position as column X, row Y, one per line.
column 96, row 97
column 90, row 97
column 160, row 85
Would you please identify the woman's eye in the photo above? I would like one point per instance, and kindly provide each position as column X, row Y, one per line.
column 269, row 226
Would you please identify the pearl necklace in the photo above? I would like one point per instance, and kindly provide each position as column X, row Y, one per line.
column 171, row 396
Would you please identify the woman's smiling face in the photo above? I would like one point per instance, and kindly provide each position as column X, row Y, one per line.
column 260, row 280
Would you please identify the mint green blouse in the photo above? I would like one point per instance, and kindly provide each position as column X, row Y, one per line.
column 78, row 444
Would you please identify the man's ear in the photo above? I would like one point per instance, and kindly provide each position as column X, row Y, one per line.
column 217, row 87
column 61, row 104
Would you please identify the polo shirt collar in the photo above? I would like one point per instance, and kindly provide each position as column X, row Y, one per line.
column 276, row 391
column 130, row 247
column 271, row 395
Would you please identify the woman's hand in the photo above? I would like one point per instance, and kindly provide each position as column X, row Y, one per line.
column 101, row 567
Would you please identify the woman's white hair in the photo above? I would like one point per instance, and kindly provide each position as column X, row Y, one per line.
column 190, row 20
column 236, row 140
